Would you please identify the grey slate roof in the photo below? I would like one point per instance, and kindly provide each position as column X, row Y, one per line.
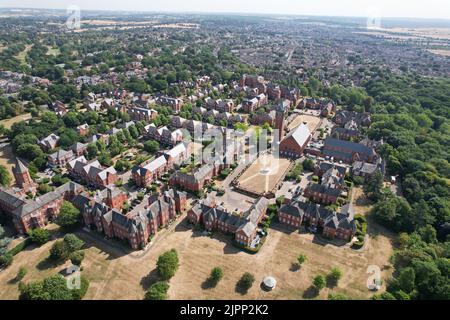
column 348, row 145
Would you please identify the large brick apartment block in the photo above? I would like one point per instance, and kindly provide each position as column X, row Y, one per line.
column 139, row 224
column 142, row 114
column 333, row 225
column 174, row 103
column 243, row 227
column 92, row 173
column 29, row 213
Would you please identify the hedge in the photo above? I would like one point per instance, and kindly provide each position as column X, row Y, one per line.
column 248, row 249
column 18, row 248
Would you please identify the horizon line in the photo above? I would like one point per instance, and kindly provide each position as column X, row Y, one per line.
column 225, row 13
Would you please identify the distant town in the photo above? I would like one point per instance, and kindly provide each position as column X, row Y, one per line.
column 196, row 157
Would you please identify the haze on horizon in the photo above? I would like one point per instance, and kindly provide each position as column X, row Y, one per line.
column 435, row 9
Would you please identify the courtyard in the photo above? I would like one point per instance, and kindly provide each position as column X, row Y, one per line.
column 263, row 175
column 311, row 121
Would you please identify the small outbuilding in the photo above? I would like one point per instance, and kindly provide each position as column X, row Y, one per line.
column 269, row 283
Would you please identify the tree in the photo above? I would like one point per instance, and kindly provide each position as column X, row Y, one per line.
column 30, row 151
column 319, row 282
column 92, row 150
column 216, row 275
column 63, row 249
column 72, row 243
column 157, row 291
column 69, row 215
column 51, row 288
column 40, row 235
column 77, row 257
column 44, row 188
column 151, row 146
column 406, row 279
column 59, row 180
column 122, row 165
column 167, row 264
column 372, row 186
column 334, row 276
column 5, row 176
column 32, row 291
column 105, row 159
column 246, row 281
column 308, row 165
column 58, row 251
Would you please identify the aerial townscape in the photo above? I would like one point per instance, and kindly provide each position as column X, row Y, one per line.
column 165, row 156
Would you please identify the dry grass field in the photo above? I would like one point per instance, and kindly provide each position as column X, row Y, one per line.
column 256, row 179
column 119, row 276
column 445, row 53
column 7, row 158
column 7, row 123
column 311, row 121
column 113, row 276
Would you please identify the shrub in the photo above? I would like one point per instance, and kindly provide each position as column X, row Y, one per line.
column 334, row 276
column 21, row 273
column 78, row 294
column 337, row 296
column 319, row 282
column 224, row 173
column 246, row 281
column 308, row 165
column 167, row 264
column 40, row 236
column 77, row 257
column 6, row 260
column 157, row 291
column 216, row 275
column 280, row 201
column 357, row 245
column 301, row 259
column 18, row 248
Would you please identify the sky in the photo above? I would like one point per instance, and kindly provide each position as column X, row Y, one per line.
column 359, row 8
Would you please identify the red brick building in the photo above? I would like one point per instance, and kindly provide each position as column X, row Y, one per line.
column 243, row 227
column 293, row 145
column 137, row 225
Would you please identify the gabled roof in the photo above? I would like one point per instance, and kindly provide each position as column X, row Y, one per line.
column 247, row 228
column 292, row 210
column 348, row 145
column 301, row 134
column 177, row 150
column 60, row 154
